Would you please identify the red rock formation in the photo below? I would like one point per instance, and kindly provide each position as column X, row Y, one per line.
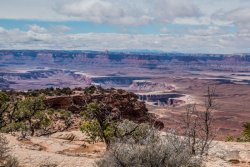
column 59, row 102
column 120, row 102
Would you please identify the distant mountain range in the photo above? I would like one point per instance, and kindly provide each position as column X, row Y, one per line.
column 55, row 56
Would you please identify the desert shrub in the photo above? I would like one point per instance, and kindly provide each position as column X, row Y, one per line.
column 105, row 108
column 90, row 90
column 100, row 124
column 198, row 125
column 229, row 139
column 245, row 135
column 130, row 131
column 96, row 124
column 60, row 119
column 66, row 91
column 4, row 105
column 246, row 131
column 3, row 148
column 61, row 115
column 5, row 159
column 50, row 92
column 58, row 92
column 144, row 146
column 29, row 115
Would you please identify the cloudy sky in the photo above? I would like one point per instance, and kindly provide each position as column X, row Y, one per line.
column 192, row 26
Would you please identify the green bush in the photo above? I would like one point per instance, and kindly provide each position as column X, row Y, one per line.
column 229, row 139
column 245, row 135
column 29, row 115
column 98, row 123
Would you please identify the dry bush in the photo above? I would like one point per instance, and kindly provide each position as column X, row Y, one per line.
column 198, row 124
column 146, row 147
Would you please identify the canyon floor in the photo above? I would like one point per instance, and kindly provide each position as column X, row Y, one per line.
column 231, row 101
column 69, row 149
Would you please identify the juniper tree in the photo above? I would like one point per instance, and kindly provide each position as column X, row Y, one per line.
column 30, row 115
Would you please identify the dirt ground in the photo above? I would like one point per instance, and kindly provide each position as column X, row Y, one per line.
column 69, row 149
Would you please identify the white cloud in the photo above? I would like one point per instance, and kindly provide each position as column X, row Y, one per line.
column 29, row 9
column 210, row 42
column 201, row 21
column 202, row 25
column 128, row 12
column 93, row 10
column 37, row 33
column 37, row 29
column 208, row 31
column 239, row 17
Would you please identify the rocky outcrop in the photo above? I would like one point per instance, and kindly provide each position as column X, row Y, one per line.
column 175, row 102
column 71, row 103
column 144, row 85
column 121, row 102
column 60, row 102
column 159, row 98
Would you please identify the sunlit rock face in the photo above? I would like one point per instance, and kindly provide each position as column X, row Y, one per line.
column 144, row 85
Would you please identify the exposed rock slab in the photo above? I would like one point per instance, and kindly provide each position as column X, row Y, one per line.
column 42, row 151
column 229, row 154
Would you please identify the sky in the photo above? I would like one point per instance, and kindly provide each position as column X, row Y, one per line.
column 189, row 26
